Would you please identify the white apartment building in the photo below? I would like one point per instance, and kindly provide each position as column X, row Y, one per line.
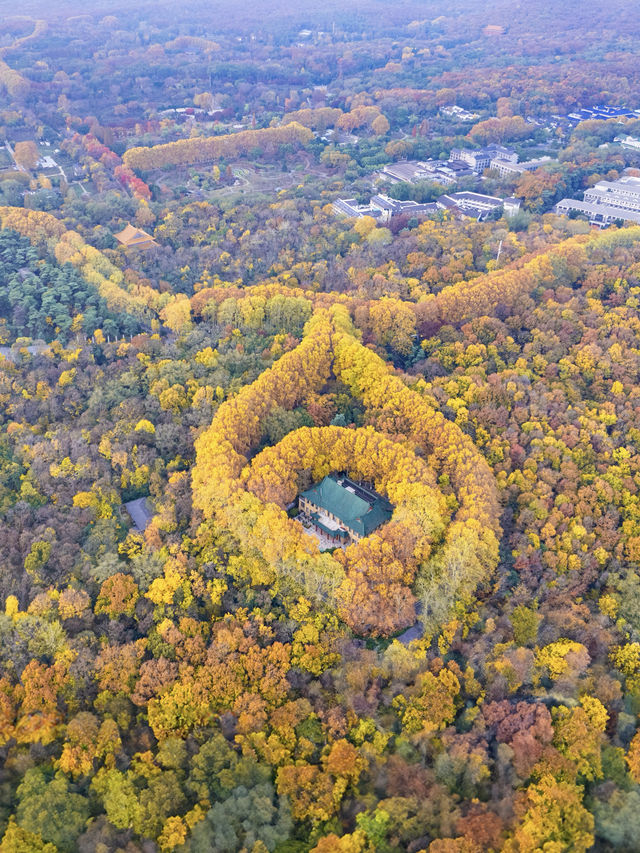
column 624, row 193
column 607, row 202
column 480, row 158
column 507, row 168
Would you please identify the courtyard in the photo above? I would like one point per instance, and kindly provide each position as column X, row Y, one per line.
column 324, row 539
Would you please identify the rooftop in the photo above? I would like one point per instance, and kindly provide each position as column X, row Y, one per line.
column 627, row 184
column 381, row 207
column 404, row 171
column 357, row 508
column 469, row 204
column 478, row 198
column 492, row 150
column 132, row 236
column 518, row 168
column 598, row 212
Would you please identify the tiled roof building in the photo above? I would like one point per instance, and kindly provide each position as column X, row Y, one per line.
column 134, row 238
column 343, row 509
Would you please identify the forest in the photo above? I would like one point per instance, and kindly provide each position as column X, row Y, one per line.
column 192, row 334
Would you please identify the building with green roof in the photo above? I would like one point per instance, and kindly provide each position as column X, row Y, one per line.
column 343, row 509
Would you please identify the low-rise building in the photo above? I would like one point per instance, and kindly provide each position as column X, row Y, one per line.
column 599, row 113
column 602, row 113
column 448, row 172
column 340, row 137
column 343, row 509
column 415, row 171
column 458, row 113
column 405, row 171
column 628, row 142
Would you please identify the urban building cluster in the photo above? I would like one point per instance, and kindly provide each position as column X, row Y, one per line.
column 465, row 204
column 600, row 113
column 606, row 112
column 479, row 159
column 416, row 171
column 477, row 205
column 463, row 163
column 502, row 160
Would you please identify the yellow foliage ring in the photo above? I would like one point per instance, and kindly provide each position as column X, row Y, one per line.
column 364, row 454
column 275, row 549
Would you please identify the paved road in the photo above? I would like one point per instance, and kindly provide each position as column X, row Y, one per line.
column 140, row 513
column 13, row 156
column 413, row 633
column 11, row 353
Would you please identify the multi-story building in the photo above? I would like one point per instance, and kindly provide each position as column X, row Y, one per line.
column 623, row 193
column 343, row 509
column 470, row 204
column 597, row 214
column 509, row 169
column 481, row 158
column 607, row 202
column 381, row 207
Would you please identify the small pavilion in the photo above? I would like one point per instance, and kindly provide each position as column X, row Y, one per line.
column 134, row 238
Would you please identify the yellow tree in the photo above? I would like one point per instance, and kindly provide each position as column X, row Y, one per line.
column 380, row 125
column 555, row 820
column 26, row 154
column 177, row 313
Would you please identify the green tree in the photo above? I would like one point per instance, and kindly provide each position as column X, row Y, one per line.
column 248, row 816
column 50, row 809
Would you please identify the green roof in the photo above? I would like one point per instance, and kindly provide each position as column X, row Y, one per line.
column 361, row 515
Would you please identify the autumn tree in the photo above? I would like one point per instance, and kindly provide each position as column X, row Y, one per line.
column 26, row 154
